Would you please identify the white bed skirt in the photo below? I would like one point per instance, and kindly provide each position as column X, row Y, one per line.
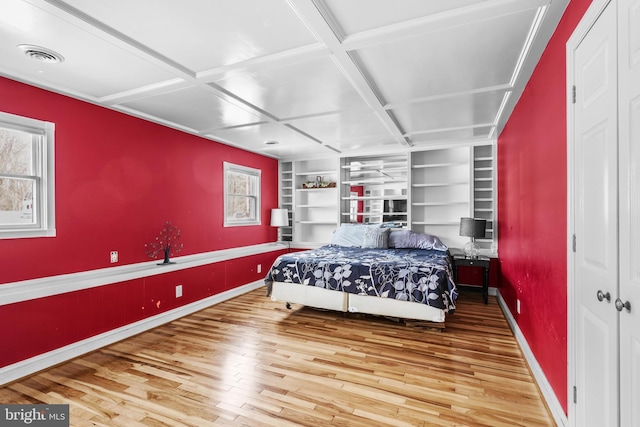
column 313, row 296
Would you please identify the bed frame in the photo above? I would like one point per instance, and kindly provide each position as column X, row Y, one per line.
column 316, row 297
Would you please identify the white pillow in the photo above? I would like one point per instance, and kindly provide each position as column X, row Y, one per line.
column 351, row 235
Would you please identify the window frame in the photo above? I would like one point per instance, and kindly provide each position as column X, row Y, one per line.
column 253, row 173
column 43, row 160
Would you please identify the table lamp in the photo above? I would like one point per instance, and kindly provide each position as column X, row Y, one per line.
column 474, row 228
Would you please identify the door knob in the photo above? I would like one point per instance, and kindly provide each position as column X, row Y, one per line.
column 622, row 305
column 602, row 296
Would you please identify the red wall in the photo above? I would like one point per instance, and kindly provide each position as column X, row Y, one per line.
column 118, row 179
column 532, row 206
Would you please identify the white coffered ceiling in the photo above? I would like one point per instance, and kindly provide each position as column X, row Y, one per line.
column 317, row 76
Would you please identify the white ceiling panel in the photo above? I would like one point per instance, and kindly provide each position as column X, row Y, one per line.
column 332, row 129
column 309, row 87
column 318, row 76
column 92, row 66
column 256, row 137
column 355, row 16
column 458, row 60
column 194, row 108
column 204, row 34
column 452, row 136
column 455, row 111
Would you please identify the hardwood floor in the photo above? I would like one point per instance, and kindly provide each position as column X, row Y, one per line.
column 250, row 361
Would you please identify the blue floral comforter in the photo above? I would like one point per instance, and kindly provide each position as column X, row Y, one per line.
column 417, row 275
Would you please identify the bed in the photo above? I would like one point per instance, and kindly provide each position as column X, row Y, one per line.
column 401, row 274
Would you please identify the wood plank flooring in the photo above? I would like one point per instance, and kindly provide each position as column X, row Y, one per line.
column 249, row 361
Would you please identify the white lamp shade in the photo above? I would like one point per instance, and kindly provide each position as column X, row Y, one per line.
column 279, row 217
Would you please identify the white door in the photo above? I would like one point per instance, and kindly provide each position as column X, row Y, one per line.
column 596, row 227
column 629, row 142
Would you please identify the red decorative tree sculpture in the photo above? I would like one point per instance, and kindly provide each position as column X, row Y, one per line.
column 166, row 242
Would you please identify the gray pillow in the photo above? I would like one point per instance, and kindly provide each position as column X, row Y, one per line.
column 412, row 240
column 376, row 238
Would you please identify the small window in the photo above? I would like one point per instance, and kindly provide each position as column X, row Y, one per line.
column 241, row 195
column 26, row 177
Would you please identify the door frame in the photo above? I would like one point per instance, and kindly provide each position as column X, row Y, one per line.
column 579, row 33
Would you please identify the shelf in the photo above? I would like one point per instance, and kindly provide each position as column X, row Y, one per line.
column 439, row 184
column 317, row 173
column 316, row 189
column 318, row 206
column 387, row 167
column 457, row 223
column 317, row 222
column 376, row 213
column 376, row 181
column 465, row 202
column 437, row 165
column 373, row 198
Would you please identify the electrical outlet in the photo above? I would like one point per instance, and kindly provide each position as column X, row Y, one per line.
column 259, row 268
column 178, row 291
column 518, row 306
column 114, row 256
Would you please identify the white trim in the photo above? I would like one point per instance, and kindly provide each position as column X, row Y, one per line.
column 547, row 391
column 253, row 173
column 43, row 160
column 46, row 360
column 40, row 288
column 580, row 31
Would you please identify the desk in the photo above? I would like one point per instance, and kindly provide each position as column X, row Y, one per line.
column 479, row 261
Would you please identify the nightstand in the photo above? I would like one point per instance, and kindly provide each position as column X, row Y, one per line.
column 480, row 261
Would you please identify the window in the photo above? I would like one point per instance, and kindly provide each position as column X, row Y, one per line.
column 241, row 195
column 26, row 177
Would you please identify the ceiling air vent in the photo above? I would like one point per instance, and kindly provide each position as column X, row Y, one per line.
column 41, row 54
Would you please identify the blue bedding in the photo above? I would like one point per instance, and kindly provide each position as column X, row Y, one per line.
column 419, row 275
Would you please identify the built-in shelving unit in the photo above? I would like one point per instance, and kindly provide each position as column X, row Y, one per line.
column 427, row 191
column 315, row 200
column 441, row 192
column 484, row 202
column 374, row 189
column 285, row 234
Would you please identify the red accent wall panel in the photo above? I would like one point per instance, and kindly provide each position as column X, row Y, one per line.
column 44, row 324
column 532, row 206
column 118, row 180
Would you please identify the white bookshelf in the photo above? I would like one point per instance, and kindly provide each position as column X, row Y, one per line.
column 484, row 201
column 286, row 193
column 316, row 208
column 441, row 183
column 438, row 186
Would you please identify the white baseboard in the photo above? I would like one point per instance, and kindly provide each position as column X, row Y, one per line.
column 46, row 360
column 547, row 391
